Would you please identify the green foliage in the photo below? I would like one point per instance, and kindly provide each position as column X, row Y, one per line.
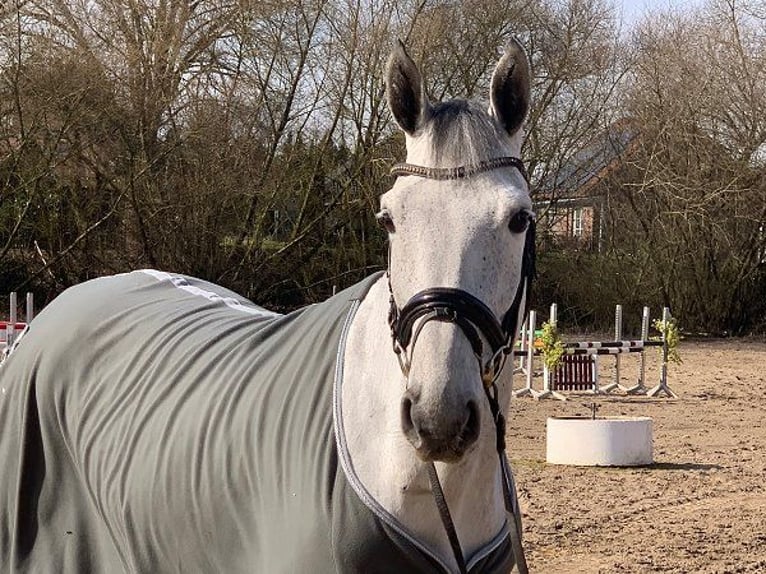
column 552, row 346
column 669, row 330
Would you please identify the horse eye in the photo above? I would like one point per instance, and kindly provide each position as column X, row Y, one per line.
column 385, row 221
column 519, row 222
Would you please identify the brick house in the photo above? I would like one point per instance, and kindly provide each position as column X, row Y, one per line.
column 570, row 202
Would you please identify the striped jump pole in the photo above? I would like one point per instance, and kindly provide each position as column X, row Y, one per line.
column 663, row 387
column 636, row 345
column 609, row 347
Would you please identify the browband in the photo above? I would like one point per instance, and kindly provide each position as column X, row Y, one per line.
column 460, row 172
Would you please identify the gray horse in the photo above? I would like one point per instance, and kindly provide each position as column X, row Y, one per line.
column 152, row 422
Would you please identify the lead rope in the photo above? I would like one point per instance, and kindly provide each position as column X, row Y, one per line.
column 444, row 514
column 514, row 532
column 509, row 489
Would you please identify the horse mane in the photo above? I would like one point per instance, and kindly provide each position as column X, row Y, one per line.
column 462, row 132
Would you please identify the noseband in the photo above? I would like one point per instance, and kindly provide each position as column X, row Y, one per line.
column 446, row 304
column 476, row 320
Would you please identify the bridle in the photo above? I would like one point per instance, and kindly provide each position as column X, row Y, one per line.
column 477, row 321
column 446, row 304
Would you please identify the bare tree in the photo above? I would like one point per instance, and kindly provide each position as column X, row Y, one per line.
column 698, row 200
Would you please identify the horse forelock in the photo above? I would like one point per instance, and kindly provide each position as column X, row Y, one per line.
column 461, row 132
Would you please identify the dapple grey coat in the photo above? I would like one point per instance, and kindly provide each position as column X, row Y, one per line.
column 156, row 423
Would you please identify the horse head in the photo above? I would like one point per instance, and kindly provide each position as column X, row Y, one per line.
column 457, row 219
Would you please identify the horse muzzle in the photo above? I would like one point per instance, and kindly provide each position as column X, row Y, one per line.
column 439, row 435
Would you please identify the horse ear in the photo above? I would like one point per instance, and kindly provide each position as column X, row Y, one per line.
column 406, row 93
column 509, row 91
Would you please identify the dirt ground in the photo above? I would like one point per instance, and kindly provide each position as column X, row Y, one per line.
column 700, row 508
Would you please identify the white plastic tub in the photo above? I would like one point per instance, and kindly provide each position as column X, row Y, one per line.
column 607, row 441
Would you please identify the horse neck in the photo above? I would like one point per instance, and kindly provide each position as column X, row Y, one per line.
column 384, row 461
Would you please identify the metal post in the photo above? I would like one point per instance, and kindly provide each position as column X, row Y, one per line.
column 13, row 307
column 596, row 389
column 529, row 336
column 522, row 349
column 617, row 337
column 639, row 388
column 663, row 385
column 552, row 320
column 531, row 348
column 30, row 308
column 10, row 327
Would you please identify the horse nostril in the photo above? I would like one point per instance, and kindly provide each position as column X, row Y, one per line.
column 472, row 424
column 406, row 408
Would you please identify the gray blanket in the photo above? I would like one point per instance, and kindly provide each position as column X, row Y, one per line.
column 156, row 423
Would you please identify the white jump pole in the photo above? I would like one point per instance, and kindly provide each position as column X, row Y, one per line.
column 639, row 388
column 11, row 330
column 522, row 348
column 663, row 387
column 596, row 389
column 547, row 392
column 617, row 337
column 529, row 347
column 10, row 327
column 12, row 314
column 30, row 308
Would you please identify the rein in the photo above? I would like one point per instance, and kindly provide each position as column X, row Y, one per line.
column 476, row 320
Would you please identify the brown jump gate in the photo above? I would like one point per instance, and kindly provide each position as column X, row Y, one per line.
column 575, row 373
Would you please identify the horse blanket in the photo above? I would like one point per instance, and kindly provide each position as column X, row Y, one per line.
column 158, row 423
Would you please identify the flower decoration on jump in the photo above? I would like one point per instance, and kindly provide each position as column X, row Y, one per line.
column 670, row 333
column 552, row 345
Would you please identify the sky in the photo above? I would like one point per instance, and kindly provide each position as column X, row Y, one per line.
column 633, row 10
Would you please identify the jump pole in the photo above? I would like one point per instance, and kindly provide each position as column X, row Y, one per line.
column 663, row 387
column 10, row 328
column 30, row 308
column 529, row 347
column 617, row 337
column 639, row 388
column 547, row 392
column 522, row 348
column 13, row 325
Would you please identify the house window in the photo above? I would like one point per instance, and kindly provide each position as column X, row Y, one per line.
column 577, row 222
